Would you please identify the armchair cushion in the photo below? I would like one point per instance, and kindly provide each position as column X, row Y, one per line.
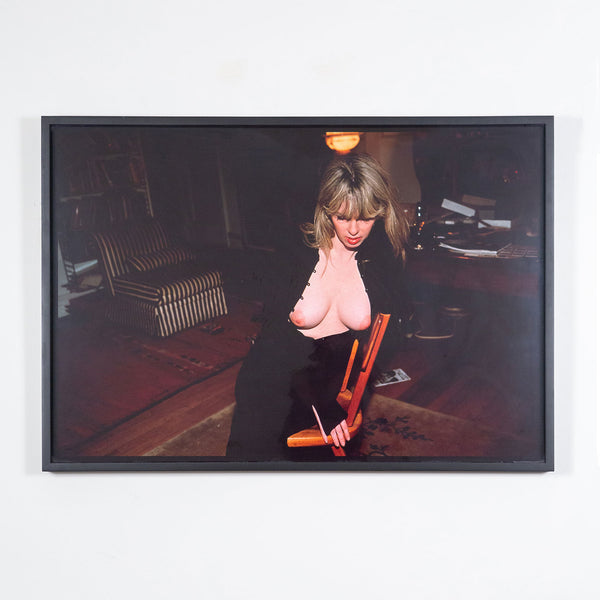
column 158, row 288
column 159, row 258
column 169, row 283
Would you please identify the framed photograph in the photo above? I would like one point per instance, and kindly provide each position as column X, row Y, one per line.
column 288, row 294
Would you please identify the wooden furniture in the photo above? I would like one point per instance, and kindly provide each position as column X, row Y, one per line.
column 349, row 399
column 518, row 277
column 101, row 182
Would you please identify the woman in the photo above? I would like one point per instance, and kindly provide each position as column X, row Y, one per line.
column 325, row 294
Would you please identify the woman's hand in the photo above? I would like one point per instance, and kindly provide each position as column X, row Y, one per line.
column 339, row 434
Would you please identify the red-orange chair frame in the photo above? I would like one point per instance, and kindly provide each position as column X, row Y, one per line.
column 349, row 399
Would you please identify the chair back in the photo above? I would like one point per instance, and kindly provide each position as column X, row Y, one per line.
column 349, row 399
column 369, row 355
column 116, row 246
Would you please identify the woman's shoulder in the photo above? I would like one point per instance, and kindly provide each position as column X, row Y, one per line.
column 377, row 247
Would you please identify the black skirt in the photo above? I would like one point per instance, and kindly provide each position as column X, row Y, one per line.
column 281, row 379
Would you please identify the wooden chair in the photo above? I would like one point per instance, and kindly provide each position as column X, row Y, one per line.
column 349, row 399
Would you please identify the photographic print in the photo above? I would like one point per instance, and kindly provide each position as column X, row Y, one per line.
column 297, row 293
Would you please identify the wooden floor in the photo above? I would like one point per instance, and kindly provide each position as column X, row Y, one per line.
column 117, row 391
column 467, row 376
column 157, row 425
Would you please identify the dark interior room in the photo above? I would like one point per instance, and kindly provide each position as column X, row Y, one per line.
column 141, row 373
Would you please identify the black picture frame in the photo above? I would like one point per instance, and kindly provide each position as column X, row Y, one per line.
column 508, row 157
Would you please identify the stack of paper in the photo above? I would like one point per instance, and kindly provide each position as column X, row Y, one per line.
column 479, row 245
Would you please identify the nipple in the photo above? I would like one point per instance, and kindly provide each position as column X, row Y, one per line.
column 297, row 318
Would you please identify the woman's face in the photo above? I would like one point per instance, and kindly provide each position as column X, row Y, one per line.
column 351, row 232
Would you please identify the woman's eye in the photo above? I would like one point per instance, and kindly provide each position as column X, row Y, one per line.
column 340, row 218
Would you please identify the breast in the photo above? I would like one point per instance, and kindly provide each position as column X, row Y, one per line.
column 334, row 300
column 354, row 309
column 309, row 313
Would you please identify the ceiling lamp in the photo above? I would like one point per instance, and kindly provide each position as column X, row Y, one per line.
column 342, row 141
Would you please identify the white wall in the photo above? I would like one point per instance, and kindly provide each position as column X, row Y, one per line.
column 420, row 536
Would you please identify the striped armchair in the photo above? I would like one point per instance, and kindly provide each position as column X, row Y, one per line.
column 155, row 286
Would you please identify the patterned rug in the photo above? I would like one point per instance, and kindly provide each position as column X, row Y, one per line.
column 392, row 428
column 105, row 375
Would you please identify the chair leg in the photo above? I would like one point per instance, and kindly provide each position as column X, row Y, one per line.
column 338, row 451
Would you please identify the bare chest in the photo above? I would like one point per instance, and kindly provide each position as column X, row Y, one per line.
column 334, row 299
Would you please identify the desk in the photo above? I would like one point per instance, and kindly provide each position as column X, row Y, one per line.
column 484, row 364
column 520, row 277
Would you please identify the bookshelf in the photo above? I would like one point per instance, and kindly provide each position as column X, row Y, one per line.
column 100, row 182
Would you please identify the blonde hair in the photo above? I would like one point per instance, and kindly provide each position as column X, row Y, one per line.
column 358, row 183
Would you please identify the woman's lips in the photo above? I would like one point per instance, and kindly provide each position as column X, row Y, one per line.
column 353, row 241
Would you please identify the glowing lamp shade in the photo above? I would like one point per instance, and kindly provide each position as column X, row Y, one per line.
column 342, row 141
